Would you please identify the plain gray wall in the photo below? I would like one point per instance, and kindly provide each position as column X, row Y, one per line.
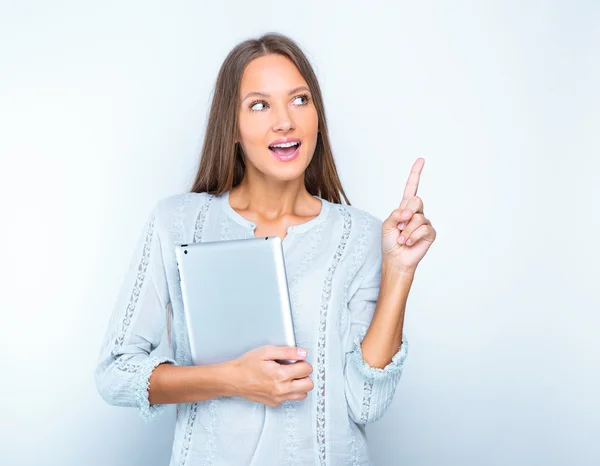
column 102, row 112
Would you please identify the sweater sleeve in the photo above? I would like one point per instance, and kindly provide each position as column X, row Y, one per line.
column 369, row 390
column 136, row 327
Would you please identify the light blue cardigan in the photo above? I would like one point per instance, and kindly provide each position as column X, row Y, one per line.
column 333, row 264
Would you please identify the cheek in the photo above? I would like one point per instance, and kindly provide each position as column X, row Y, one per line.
column 252, row 134
column 310, row 126
column 249, row 129
column 310, row 120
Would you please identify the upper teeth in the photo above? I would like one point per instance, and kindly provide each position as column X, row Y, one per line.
column 285, row 144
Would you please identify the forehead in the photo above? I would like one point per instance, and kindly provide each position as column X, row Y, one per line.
column 271, row 74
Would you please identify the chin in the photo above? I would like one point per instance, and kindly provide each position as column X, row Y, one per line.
column 285, row 171
column 285, row 174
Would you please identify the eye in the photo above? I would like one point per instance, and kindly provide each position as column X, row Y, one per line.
column 304, row 97
column 257, row 103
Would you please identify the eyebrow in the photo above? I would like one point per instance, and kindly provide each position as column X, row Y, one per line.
column 263, row 94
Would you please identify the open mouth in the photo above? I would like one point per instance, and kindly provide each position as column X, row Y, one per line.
column 285, row 150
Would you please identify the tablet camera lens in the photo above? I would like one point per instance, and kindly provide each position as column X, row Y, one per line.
column 185, row 251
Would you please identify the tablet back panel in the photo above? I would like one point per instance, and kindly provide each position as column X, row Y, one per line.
column 235, row 297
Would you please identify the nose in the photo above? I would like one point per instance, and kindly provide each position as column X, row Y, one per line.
column 283, row 121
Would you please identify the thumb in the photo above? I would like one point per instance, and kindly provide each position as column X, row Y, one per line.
column 284, row 352
column 391, row 223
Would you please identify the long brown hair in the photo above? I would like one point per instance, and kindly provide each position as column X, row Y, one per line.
column 221, row 162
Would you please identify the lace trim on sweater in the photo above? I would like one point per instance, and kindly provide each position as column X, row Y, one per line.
column 187, row 434
column 374, row 374
column 142, row 384
column 290, row 406
column 368, row 390
column 321, row 351
column 211, row 446
column 291, row 438
column 201, row 218
column 137, row 288
column 143, row 370
column 358, row 259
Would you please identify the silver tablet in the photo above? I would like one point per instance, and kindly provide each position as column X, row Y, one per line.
column 235, row 297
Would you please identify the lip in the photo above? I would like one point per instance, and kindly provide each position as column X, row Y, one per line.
column 284, row 140
column 288, row 158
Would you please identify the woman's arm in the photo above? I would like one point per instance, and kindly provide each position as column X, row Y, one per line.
column 183, row 384
column 137, row 324
column 255, row 376
column 376, row 315
column 406, row 236
column 384, row 336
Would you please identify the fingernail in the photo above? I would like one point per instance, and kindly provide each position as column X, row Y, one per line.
column 301, row 352
column 401, row 239
column 401, row 225
column 406, row 213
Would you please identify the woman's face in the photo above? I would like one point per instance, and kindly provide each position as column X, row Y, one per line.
column 276, row 107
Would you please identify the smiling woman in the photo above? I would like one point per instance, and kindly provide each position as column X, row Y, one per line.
column 267, row 169
column 267, row 94
column 281, row 110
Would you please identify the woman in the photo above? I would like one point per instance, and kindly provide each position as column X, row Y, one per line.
column 267, row 169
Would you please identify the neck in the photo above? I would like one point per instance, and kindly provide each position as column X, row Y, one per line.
column 272, row 199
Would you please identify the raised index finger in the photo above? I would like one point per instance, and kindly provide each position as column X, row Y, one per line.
column 412, row 184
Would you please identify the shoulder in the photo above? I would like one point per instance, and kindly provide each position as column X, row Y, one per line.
column 360, row 223
column 362, row 216
column 363, row 251
column 178, row 207
column 180, row 201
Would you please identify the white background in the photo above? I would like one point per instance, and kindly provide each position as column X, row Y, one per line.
column 102, row 112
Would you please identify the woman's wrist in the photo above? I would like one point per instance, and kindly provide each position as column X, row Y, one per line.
column 221, row 378
column 388, row 268
column 202, row 382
